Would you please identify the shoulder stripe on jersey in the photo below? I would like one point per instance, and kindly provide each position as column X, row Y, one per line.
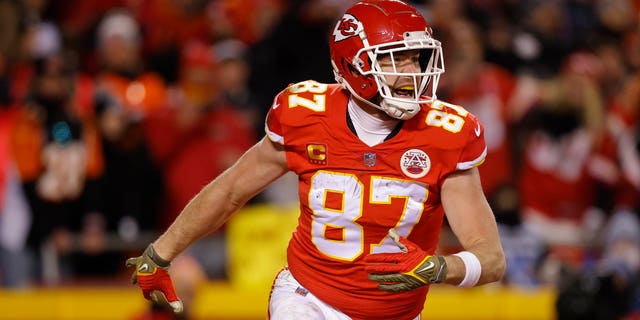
column 473, row 163
column 273, row 136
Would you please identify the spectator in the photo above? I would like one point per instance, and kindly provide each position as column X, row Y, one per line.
column 15, row 214
column 58, row 155
column 484, row 89
column 126, row 94
column 233, row 73
column 167, row 27
column 282, row 56
column 208, row 128
column 541, row 41
column 557, row 187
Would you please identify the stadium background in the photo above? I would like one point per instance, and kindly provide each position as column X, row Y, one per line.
column 162, row 95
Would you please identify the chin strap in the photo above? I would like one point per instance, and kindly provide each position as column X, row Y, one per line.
column 399, row 110
column 395, row 109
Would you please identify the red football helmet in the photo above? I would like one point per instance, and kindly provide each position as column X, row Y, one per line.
column 374, row 28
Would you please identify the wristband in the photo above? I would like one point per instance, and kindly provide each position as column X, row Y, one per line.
column 473, row 269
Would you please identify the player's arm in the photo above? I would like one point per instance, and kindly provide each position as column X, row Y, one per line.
column 214, row 204
column 206, row 212
column 472, row 221
column 482, row 260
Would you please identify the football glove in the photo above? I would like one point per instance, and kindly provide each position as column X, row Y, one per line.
column 152, row 277
column 410, row 269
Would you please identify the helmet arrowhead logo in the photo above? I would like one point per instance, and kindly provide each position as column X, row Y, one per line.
column 347, row 27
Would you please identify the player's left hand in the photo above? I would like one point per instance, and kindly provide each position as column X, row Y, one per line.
column 410, row 269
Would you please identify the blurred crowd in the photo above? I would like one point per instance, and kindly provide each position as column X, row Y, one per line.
column 114, row 113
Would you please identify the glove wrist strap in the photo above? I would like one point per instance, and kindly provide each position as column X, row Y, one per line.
column 156, row 258
column 441, row 273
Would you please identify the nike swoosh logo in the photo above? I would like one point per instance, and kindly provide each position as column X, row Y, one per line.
column 477, row 130
column 143, row 268
column 426, row 267
column 275, row 106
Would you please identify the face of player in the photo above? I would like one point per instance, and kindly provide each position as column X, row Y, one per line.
column 401, row 62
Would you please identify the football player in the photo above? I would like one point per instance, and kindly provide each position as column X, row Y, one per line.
column 380, row 162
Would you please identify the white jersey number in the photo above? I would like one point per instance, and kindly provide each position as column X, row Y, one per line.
column 451, row 122
column 351, row 189
column 318, row 103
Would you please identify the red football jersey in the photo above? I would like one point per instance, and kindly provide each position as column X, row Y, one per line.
column 352, row 194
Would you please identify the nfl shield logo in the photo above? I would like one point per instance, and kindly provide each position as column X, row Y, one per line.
column 369, row 159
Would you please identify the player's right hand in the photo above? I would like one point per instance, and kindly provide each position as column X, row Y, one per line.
column 410, row 269
column 152, row 277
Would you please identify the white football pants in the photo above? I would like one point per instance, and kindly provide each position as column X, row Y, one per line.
column 289, row 300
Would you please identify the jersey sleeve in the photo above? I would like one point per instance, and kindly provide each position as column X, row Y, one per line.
column 475, row 149
column 273, row 125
